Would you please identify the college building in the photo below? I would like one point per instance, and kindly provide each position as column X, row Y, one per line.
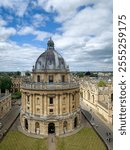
column 5, row 103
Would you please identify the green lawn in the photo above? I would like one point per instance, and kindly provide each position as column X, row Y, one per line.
column 15, row 140
column 85, row 139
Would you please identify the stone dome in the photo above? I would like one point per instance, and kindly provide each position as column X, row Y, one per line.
column 50, row 59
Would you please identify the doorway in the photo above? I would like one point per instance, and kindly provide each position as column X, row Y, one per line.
column 51, row 128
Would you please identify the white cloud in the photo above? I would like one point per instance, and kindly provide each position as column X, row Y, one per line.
column 15, row 56
column 5, row 33
column 66, row 9
column 40, row 35
column 19, row 6
column 84, row 38
column 39, row 20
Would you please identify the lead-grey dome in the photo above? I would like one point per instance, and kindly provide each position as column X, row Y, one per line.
column 50, row 59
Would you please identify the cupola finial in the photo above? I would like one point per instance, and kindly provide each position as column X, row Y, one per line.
column 50, row 44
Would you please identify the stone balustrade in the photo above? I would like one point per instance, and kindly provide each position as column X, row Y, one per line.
column 49, row 86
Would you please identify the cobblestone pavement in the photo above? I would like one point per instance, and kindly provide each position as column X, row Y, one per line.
column 9, row 118
column 102, row 129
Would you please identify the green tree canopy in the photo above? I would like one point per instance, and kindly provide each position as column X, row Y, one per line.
column 101, row 83
column 27, row 73
column 5, row 82
column 16, row 95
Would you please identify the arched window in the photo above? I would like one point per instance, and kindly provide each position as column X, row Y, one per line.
column 75, row 122
column 38, row 78
column 88, row 95
column 37, row 127
column 72, row 97
column 93, row 98
column 65, row 124
column 50, row 78
column 28, row 100
column 26, row 124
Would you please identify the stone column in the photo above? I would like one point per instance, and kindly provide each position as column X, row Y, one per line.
column 34, row 106
column 56, row 105
column 60, row 104
column 31, row 104
column 42, row 106
column 24, row 101
column 45, row 105
column 67, row 102
column 70, row 102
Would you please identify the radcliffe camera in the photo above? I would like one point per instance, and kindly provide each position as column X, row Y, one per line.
column 56, row 75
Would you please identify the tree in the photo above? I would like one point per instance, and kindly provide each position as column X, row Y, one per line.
column 16, row 95
column 27, row 73
column 5, row 82
column 18, row 73
column 101, row 83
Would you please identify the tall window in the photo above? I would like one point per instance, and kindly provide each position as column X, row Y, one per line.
column 50, row 78
column 28, row 100
column 93, row 98
column 88, row 95
column 38, row 78
column 51, row 100
column 72, row 97
column 63, row 78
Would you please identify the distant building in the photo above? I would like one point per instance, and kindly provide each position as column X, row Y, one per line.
column 5, row 103
column 16, row 82
column 98, row 99
column 50, row 100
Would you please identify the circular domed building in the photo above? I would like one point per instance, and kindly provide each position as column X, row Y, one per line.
column 50, row 100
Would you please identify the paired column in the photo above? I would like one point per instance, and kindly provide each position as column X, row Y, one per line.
column 60, row 100
column 45, row 105
column 56, row 104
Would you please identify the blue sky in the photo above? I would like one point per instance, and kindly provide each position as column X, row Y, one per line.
column 81, row 30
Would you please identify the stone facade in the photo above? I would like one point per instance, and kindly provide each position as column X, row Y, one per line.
column 98, row 99
column 16, row 82
column 5, row 103
column 50, row 100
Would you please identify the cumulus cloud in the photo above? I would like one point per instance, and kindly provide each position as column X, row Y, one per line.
column 84, row 37
column 5, row 32
column 65, row 9
column 87, row 37
column 19, row 6
column 40, row 35
column 17, row 57
column 39, row 20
